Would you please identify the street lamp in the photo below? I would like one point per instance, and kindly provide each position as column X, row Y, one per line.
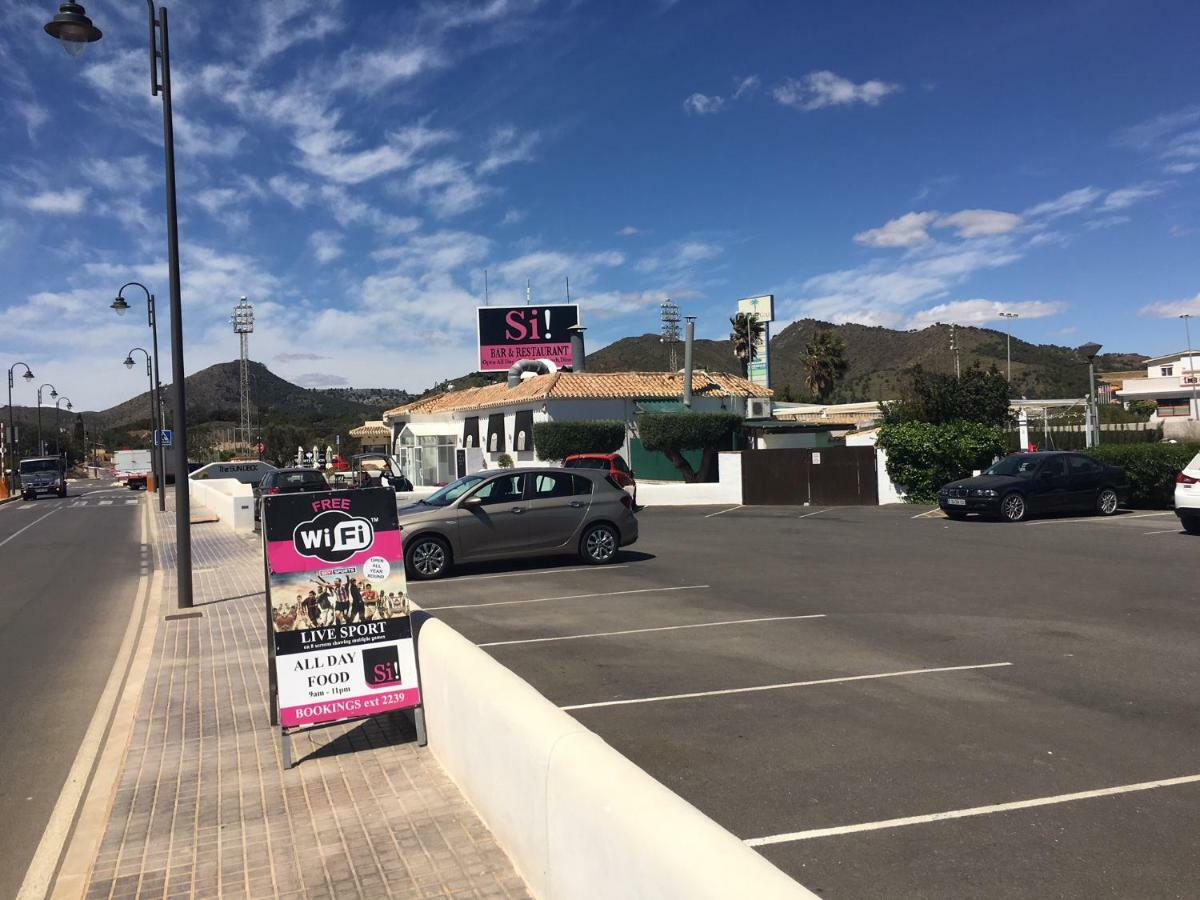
column 12, row 429
column 77, row 29
column 121, row 306
column 58, row 423
column 1008, row 317
column 156, row 466
column 1090, row 351
column 53, row 394
column 1191, row 369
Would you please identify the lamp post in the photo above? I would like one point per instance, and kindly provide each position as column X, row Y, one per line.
column 58, row 423
column 12, row 430
column 53, row 394
column 1093, row 429
column 159, row 474
column 75, row 30
column 1187, row 330
column 120, row 306
column 1008, row 317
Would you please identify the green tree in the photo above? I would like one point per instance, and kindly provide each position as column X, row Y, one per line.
column 921, row 456
column 824, row 363
column 558, row 440
column 747, row 332
column 980, row 395
column 673, row 433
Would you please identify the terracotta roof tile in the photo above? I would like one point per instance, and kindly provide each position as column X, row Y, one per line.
column 371, row 430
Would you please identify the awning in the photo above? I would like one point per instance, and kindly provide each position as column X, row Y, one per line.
column 495, row 442
column 470, row 436
column 523, row 432
column 430, row 429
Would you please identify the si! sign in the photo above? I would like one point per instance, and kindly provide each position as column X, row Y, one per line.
column 510, row 334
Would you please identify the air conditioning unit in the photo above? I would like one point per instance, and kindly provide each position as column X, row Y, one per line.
column 758, row 408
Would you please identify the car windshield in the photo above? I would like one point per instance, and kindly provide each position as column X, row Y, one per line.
column 452, row 491
column 1013, row 465
column 38, row 465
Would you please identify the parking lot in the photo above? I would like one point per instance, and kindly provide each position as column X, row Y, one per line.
column 885, row 702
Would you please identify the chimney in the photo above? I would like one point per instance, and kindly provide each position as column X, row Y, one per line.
column 689, row 339
column 577, row 351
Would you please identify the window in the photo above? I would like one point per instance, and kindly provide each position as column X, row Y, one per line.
column 1173, row 406
column 496, row 433
column 583, row 486
column 1166, row 371
column 1083, row 465
column 1056, row 466
column 547, row 486
column 586, row 462
column 523, row 430
column 505, row 489
column 471, row 431
column 620, row 464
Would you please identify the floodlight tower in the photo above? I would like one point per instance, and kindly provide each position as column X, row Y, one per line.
column 243, row 327
column 668, row 313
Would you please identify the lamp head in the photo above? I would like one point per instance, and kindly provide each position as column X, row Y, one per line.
column 1090, row 350
column 53, row 393
column 28, row 376
column 128, row 361
column 73, row 29
column 119, row 306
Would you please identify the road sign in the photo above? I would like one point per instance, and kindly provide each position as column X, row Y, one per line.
column 164, row 437
column 260, row 447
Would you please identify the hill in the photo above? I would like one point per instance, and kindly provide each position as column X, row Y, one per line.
column 880, row 359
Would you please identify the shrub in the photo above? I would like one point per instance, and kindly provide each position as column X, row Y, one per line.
column 922, row 457
column 939, row 398
column 672, row 433
column 504, row 461
column 1151, row 469
column 558, row 440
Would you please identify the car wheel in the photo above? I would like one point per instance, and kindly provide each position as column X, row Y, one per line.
column 1107, row 502
column 599, row 545
column 1012, row 507
column 1191, row 524
column 428, row 557
column 955, row 514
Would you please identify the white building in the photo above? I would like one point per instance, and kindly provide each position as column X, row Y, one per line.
column 497, row 419
column 1172, row 382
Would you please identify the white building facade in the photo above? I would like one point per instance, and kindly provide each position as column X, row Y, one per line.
column 1172, row 382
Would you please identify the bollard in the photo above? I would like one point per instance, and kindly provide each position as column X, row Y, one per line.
column 151, row 484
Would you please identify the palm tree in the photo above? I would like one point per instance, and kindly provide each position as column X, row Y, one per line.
column 824, row 363
column 747, row 331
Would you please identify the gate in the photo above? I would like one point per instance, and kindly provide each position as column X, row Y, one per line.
column 829, row 476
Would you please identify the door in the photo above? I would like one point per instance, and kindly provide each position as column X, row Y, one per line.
column 496, row 526
column 1051, row 489
column 558, row 503
column 1086, row 477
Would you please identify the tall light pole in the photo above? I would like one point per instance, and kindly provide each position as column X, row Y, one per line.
column 1093, row 432
column 160, row 480
column 12, row 429
column 1008, row 317
column 120, row 306
column 58, row 423
column 53, row 394
column 1187, row 329
column 75, row 29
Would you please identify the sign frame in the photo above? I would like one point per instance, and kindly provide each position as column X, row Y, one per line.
column 534, row 349
column 164, row 437
column 762, row 308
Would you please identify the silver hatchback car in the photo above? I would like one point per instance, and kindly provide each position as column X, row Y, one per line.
column 517, row 513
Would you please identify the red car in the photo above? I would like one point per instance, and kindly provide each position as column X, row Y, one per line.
column 612, row 463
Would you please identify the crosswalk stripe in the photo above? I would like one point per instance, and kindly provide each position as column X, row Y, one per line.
column 106, row 503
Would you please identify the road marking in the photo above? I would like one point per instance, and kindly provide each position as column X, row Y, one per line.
column 106, row 503
column 78, row 503
column 723, row 511
column 974, row 811
column 27, row 527
column 1168, row 531
column 1102, row 520
column 690, row 587
column 817, row 513
column 598, row 634
column 450, row 582
column 927, row 512
column 131, row 502
column 776, row 687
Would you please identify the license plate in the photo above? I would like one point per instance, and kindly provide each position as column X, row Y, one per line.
column 954, row 501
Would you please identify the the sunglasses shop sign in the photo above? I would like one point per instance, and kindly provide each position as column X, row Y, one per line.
column 338, row 606
column 508, row 334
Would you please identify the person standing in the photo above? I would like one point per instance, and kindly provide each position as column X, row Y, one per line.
column 356, row 601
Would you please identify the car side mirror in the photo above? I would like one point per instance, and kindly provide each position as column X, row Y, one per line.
column 471, row 503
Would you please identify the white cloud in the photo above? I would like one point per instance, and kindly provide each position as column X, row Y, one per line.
column 514, row 217
column 295, row 192
column 325, row 152
column 1170, row 309
column 907, row 230
column 347, row 211
column 981, row 312
column 628, row 231
column 326, row 245
column 281, row 27
column 121, row 174
column 1151, row 133
column 1106, row 222
column 34, row 115
column 703, row 104
column 442, row 251
column 67, row 202
column 372, row 71
column 679, row 256
column 446, row 187
column 818, row 90
column 970, row 223
column 1069, row 203
column 1125, row 197
column 1184, row 168
column 745, row 85
column 507, row 146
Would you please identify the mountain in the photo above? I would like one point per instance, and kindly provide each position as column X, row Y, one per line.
column 880, row 359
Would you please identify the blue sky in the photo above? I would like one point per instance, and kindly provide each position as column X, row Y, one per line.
column 354, row 167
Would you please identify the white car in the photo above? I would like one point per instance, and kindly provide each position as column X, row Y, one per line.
column 1187, row 496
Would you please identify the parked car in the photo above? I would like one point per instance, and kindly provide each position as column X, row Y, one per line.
column 1047, row 481
column 1187, row 496
column 287, row 481
column 42, row 475
column 518, row 513
column 374, row 470
column 610, row 463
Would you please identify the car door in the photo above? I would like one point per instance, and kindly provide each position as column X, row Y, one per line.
column 558, row 503
column 1086, row 476
column 496, row 524
column 1052, row 485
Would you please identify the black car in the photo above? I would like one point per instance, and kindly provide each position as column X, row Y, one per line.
column 1026, row 484
column 287, row 481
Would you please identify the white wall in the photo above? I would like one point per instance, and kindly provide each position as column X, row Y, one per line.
column 229, row 499
column 888, row 492
column 677, row 493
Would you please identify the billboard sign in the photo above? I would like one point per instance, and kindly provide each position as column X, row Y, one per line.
column 508, row 334
column 762, row 307
column 337, row 601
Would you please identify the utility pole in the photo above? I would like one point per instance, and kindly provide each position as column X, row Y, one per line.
column 954, row 350
column 243, row 327
column 1191, row 369
column 1008, row 317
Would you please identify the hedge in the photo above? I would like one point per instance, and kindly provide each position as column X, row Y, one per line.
column 1151, row 469
column 558, row 440
column 922, row 457
column 673, row 433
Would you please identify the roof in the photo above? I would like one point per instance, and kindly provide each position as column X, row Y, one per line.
column 430, row 429
column 791, row 425
column 584, row 386
column 1170, row 357
column 848, row 414
column 371, row 430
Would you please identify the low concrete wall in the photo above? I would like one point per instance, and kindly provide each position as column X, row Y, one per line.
column 889, row 492
column 577, row 819
column 229, row 499
column 677, row 493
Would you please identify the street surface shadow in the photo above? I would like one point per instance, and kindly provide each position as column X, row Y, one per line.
column 623, row 557
column 375, row 733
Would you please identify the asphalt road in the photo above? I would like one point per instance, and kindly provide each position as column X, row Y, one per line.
column 68, row 577
column 960, row 666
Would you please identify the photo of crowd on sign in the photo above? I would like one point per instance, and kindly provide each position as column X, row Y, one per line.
column 336, row 596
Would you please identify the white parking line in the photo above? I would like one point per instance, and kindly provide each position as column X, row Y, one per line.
column 1168, row 531
column 974, row 811
column 27, row 527
column 927, row 512
column 599, row 634
column 816, row 513
column 776, row 687
column 690, row 587
column 1101, row 520
column 106, row 503
column 450, row 582
column 722, row 512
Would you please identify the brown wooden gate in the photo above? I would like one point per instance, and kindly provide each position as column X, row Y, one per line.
column 830, row 476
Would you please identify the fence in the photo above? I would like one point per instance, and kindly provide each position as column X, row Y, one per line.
column 1074, row 437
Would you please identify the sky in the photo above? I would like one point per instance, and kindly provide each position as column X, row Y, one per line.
column 354, row 167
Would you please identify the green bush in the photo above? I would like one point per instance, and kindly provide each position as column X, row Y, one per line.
column 504, row 461
column 558, row 440
column 922, row 457
column 673, row 433
column 1151, row 469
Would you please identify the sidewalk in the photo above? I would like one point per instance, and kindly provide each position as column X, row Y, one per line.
column 203, row 807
